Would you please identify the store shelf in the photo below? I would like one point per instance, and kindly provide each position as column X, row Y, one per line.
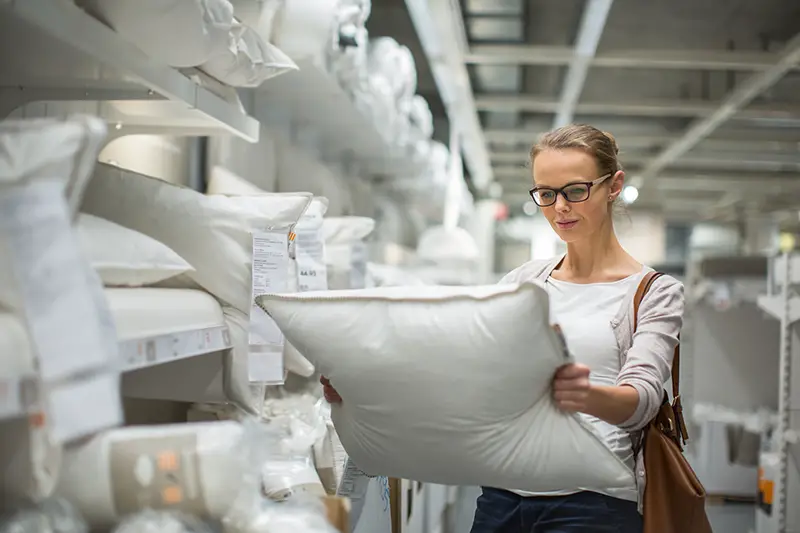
column 311, row 102
column 52, row 51
column 18, row 395
column 137, row 354
column 775, row 307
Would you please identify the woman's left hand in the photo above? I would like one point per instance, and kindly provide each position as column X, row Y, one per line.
column 571, row 388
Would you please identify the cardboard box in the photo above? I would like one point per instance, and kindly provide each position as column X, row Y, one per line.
column 338, row 509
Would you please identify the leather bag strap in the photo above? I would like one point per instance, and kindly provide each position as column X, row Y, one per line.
column 641, row 291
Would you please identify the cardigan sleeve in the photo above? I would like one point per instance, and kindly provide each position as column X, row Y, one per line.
column 648, row 363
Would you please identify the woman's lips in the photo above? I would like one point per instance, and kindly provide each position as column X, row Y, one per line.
column 567, row 224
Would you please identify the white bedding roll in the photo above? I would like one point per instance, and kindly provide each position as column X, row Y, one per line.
column 195, row 468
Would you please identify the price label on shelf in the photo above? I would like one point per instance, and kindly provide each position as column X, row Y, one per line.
column 18, row 395
column 141, row 353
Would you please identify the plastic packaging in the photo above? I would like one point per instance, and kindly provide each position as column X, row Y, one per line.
column 297, row 423
column 50, row 516
column 181, row 33
column 345, row 250
column 152, row 521
column 248, row 60
column 197, row 468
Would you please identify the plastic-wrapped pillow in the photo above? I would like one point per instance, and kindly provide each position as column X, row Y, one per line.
column 258, row 14
column 421, row 118
column 248, row 60
column 308, row 263
column 181, row 33
column 345, row 251
column 215, row 235
column 304, row 29
column 394, row 62
column 405, row 412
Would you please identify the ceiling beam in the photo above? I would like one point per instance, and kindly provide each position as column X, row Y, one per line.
column 642, row 108
column 722, row 160
column 737, row 99
column 593, row 22
column 739, row 140
column 440, row 28
column 538, row 55
column 517, row 178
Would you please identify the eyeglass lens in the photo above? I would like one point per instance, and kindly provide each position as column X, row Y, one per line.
column 574, row 193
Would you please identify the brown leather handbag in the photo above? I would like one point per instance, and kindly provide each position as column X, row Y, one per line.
column 674, row 499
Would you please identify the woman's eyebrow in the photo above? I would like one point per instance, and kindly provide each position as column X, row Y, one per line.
column 572, row 182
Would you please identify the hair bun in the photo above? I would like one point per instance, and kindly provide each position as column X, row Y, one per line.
column 613, row 142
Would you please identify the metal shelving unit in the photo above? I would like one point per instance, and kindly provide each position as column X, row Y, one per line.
column 785, row 307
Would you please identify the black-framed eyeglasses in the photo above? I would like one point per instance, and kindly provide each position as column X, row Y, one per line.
column 573, row 193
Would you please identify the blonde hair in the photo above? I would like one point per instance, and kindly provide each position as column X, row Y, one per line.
column 600, row 145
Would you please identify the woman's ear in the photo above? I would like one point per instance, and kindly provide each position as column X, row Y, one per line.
column 617, row 183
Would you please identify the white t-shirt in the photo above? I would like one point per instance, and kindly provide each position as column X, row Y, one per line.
column 584, row 313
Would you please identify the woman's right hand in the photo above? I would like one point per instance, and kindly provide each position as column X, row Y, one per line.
column 330, row 393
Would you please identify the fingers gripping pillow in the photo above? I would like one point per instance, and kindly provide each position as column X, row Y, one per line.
column 448, row 385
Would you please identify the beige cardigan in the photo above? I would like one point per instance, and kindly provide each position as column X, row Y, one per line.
column 646, row 357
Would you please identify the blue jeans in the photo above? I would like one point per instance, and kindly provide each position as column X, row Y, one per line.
column 500, row 511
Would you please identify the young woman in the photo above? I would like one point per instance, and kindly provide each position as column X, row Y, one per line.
column 617, row 382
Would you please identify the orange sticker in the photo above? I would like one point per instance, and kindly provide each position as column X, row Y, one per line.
column 167, row 461
column 172, row 495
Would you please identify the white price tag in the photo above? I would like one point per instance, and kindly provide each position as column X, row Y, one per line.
column 265, row 367
column 358, row 260
column 59, row 294
column 312, row 275
column 79, row 408
column 270, row 275
column 18, row 395
column 70, row 326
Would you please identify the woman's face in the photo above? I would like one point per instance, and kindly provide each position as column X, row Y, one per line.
column 573, row 221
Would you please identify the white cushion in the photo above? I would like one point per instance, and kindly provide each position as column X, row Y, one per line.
column 247, row 60
column 180, row 33
column 213, row 233
column 448, row 385
column 124, row 257
column 345, row 251
column 304, row 29
column 223, row 181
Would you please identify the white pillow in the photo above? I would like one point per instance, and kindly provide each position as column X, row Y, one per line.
column 213, row 233
column 247, row 61
column 180, row 33
column 223, row 181
column 309, row 272
column 448, row 385
column 304, row 29
column 345, row 251
column 123, row 257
